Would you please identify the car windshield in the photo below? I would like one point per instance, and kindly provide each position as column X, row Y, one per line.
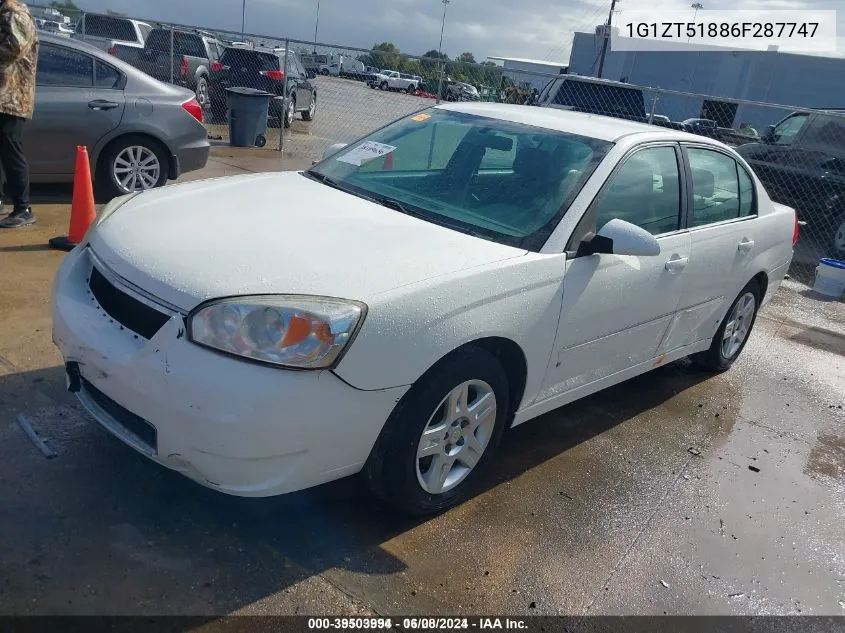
column 499, row 180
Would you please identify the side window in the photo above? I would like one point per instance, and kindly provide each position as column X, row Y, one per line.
column 645, row 191
column 747, row 199
column 826, row 132
column 786, row 131
column 189, row 44
column 106, row 76
column 146, row 29
column 715, row 187
column 63, row 67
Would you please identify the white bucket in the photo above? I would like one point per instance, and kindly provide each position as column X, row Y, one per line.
column 830, row 278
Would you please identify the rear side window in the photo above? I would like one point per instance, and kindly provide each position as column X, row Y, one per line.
column 106, row 76
column 64, row 67
column 715, row 187
column 747, row 199
column 827, row 133
column 159, row 40
column 109, row 27
column 146, row 29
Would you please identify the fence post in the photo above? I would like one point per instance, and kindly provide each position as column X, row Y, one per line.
column 82, row 22
column 654, row 101
column 440, row 80
column 172, row 57
column 285, row 104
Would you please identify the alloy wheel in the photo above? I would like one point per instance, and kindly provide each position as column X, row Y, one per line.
column 738, row 326
column 136, row 168
column 456, row 436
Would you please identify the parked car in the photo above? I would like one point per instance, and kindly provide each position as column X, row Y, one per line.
column 703, row 127
column 801, row 160
column 518, row 260
column 107, row 31
column 56, row 28
column 664, row 121
column 462, row 92
column 346, row 68
column 191, row 60
column 263, row 71
column 86, row 97
column 393, row 80
column 594, row 96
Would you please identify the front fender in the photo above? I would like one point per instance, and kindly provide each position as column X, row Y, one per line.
column 409, row 329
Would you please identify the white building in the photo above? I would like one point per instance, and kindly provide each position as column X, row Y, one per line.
column 534, row 72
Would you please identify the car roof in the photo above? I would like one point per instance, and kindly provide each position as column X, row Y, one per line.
column 591, row 125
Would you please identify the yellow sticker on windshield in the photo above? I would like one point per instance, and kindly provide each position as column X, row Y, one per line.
column 421, row 117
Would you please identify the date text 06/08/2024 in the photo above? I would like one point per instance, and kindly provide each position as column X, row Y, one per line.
column 416, row 624
column 722, row 30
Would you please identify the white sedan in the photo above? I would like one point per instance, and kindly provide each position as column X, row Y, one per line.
column 392, row 309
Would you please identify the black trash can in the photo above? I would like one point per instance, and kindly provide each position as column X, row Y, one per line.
column 248, row 114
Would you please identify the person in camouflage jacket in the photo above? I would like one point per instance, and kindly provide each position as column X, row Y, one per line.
column 18, row 60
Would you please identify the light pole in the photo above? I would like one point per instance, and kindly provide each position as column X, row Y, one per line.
column 696, row 6
column 606, row 37
column 243, row 19
column 317, row 24
column 440, row 52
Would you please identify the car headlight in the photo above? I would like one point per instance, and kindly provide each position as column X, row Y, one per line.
column 297, row 332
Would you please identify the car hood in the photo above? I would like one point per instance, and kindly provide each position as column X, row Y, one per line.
column 276, row 233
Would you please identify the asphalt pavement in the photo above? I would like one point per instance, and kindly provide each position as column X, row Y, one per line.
column 679, row 492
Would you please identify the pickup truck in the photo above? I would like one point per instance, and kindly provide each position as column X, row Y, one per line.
column 192, row 62
column 393, row 80
column 107, row 31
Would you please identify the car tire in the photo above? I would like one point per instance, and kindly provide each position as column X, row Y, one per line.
column 742, row 314
column 411, row 89
column 203, row 93
column 308, row 115
column 383, row 86
column 121, row 151
column 395, row 470
column 324, row 72
column 837, row 243
column 289, row 113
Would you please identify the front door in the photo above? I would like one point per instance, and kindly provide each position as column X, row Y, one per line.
column 78, row 101
column 617, row 309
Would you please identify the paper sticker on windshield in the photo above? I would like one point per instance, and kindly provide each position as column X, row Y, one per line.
column 421, row 117
column 366, row 152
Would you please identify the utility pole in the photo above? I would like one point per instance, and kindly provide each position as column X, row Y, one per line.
column 317, row 25
column 606, row 37
column 695, row 6
column 243, row 19
column 440, row 51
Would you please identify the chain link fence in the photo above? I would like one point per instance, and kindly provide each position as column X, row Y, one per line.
column 325, row 94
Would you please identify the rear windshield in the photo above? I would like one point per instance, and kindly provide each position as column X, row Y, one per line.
column 238, row 58
column 599, row 99
column 183, row 43
column 110, row 27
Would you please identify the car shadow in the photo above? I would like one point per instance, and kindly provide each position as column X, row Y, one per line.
column 114, row 510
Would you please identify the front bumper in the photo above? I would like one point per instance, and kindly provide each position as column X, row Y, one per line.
column 240, row 428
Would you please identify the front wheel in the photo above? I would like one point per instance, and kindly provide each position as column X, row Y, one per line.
column 442, row 435
column 732, row 335
column 130, row 164
column 383, row 85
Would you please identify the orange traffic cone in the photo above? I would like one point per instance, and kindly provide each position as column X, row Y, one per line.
column 83, row 212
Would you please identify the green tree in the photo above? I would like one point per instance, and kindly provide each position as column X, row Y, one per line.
column 466, row 58
column 433, row 54
column 68, row 7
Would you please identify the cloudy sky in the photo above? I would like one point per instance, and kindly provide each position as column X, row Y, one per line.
column 538, row 29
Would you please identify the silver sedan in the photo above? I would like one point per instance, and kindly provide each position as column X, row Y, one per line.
column 139, row 132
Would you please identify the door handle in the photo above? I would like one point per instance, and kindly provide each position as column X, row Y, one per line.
column 677, row 263
column 102, row 104
column 745, row 245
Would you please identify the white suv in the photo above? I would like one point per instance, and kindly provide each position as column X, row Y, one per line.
column 393, row 80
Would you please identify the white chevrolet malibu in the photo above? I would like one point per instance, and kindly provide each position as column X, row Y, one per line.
column 394, row 308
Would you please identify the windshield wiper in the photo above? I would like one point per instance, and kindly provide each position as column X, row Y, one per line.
column 390, row 203
column 326, row 180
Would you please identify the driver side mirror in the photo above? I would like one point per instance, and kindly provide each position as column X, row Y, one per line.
column 769, row 135
column 619, row 237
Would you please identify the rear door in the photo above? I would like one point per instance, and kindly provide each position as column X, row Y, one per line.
column 723, row 226
column 79, row 99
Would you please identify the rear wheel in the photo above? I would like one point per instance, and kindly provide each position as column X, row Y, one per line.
column 130, row 164
column 289, row 113
column 442, row 435
column 203, row 93
column 412, row 89
column 732, row 335
column 383, row 85
column 308, row 115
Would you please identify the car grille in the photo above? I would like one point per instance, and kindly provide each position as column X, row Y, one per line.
column 126, row 310
column 143, row 433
